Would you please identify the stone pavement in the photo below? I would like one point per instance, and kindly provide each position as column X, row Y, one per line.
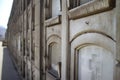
column 7, row 68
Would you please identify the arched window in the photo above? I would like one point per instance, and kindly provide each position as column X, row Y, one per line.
column 93, row 63
column 54, row 59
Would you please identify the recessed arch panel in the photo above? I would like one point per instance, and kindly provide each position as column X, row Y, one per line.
column 94, row 63
column 99, row 41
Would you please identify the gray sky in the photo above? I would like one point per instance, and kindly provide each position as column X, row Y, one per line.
column 5, row 8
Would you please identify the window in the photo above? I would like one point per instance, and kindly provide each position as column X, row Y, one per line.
column 27, row 24
column 54, row 59
column 92, row 64
column 23, row 69
column 33, row 76
column 24, row 47
column 89, row 7
column 53, row 8
column 75, row 3
column 28, row 2
column 33, row 51
column 33, row 18
column 28, row 74
column 27, row 47
column 24, row 5
column 33, row 48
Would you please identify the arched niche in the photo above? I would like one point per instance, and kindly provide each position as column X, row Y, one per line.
column 93, row 63
column 87, row 45
column 53, row 60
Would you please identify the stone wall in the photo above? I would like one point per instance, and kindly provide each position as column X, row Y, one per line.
column 87, row 35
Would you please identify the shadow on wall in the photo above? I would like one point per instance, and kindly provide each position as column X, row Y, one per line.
column 9, row 71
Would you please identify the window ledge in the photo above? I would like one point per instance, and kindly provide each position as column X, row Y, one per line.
column 53, row 21
column 54, row 74
column 90, row 8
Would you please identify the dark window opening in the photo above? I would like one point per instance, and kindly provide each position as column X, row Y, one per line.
column 24, row 69
column 23, row 47
column 24, row 6
column 28, row 2
column 27, row 47
column 33, row 49
column 76, row 3
column 53, row 8
column 33, row 18
column 27, row 24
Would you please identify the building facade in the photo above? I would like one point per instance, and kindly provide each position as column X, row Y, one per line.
column 65, row 39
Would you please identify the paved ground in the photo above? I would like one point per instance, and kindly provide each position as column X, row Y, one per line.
column 7, row 68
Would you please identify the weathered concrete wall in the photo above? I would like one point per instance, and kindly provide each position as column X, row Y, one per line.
column 53, row 49
column 99, row 30
column 89, row 28
column 54, row 30
column 117, row 12
column 102, row 23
